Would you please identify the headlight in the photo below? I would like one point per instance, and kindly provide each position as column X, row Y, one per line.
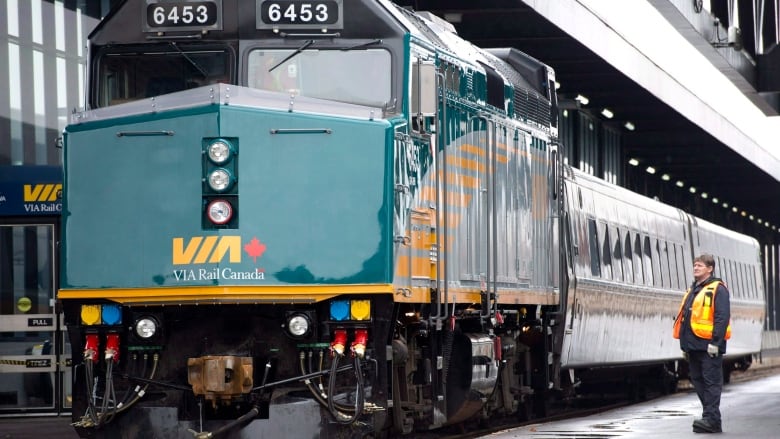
column 219, row 152
column 220, row 179
column 146, row 327
column 298, row 325
column 219, row 212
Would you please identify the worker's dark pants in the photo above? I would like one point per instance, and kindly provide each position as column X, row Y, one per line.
column 707, row 378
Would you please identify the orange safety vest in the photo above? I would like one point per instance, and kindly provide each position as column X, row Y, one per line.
column 702, row 313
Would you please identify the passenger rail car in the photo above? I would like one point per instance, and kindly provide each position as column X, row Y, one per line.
column 630, row 259
column 338, row 219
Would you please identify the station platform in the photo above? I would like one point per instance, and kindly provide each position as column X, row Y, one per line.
column 749, row 409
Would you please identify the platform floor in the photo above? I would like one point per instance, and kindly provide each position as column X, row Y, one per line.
column 749, row 410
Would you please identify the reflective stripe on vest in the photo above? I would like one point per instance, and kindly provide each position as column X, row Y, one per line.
column 702, row 313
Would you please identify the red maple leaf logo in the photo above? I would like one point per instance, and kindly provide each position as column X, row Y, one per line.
column 255, row 248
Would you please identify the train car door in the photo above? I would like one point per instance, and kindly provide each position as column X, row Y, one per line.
column 34, row 377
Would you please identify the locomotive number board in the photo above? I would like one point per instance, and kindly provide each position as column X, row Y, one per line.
column 182, row 15
column 298, row 14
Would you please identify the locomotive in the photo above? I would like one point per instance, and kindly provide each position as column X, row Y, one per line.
column 336, row 218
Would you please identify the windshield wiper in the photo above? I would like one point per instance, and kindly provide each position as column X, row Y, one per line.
column 192, row 61
column 297, row 51
column 362, row 45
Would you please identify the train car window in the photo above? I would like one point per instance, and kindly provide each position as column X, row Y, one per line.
column 593, row 236
column 755, row 272
column 638, row 264
column 617, row 254
column 647, row 261
column 606, row 253
column 655, row 261
column 356, row 76
column 742, row 289
column 680, row 266
column 722, row 271
column 128, row 76
column 665, row 271
column 628, row 256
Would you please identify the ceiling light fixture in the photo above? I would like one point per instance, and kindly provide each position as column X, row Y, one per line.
column 582, row 100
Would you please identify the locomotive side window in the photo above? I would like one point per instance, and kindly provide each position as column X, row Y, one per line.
column 130, row 75
column 354, row 76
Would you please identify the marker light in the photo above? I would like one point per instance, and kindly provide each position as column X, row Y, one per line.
column 219, row 152
column 111, row 314
column 146, row 327
column 298, row 325
column 220, row 180
column 219, row 212
column 90, row 314
column 339, row 310
column 360, row 309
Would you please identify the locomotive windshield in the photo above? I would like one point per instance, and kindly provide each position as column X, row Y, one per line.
column 354, row 76
column 129, row 75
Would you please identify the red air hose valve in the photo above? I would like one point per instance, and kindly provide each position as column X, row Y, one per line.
column 339, row 341
column 91, row 347
column 360, row 342
column 112, row 347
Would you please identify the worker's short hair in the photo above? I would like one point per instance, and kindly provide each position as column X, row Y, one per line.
column 705, row 259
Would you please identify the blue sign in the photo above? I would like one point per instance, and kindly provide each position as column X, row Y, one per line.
column 30, row 190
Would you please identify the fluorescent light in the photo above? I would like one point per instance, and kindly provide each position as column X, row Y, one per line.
column 582, row 100
column 633, row 162
column 629, row 126
column 650, row 170
column 607, row 113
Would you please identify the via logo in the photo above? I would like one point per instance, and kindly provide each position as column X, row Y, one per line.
column 214, row 249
